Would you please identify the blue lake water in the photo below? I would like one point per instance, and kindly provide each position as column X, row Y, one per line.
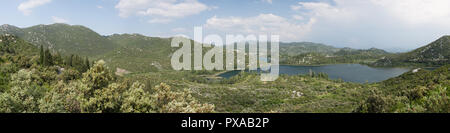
column 347, row 72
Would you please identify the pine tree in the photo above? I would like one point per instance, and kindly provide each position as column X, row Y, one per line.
column 44, row 60
column 48, row 60
column 57, row 59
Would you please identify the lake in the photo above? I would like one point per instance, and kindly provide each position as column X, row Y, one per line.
column 347, row 72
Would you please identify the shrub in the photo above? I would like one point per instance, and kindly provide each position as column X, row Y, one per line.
column 23, row 96
column 136, row 100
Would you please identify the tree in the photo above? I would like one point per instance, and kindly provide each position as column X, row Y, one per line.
column 57, row 59
column 87, row 63
column 136, row 100
column 105, row 100
column 98, row 76
column 167, row 101
column 69, row 74
column 70, row 60
column 23, row 96
column 64, row 98
column 41, row 56
column 48, row 60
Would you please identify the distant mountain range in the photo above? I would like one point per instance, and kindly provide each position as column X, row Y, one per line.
column 138, row 53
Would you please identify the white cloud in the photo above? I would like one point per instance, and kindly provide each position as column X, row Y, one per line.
column 418, row 11
column 25, row 7
column 59, row 20
column 379, row 23
column 159, row 20
column 160, row 9
column 261, row 24
column 100, row 7
column 322, row 10
column 298, row 17
column 268, row 1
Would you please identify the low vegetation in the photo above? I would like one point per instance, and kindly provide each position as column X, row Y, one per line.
column 42, row 86
column 417, row 91
column 45, row 79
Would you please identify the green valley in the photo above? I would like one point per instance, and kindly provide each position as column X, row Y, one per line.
column 72, row 69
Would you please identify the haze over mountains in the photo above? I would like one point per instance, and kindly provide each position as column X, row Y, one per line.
column 136, row 52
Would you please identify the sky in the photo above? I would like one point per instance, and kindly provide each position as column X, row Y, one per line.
column 393, row 25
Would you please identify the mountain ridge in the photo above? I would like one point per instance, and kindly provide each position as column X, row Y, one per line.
column 436, row 53
column 64, row 38
column 154, row 52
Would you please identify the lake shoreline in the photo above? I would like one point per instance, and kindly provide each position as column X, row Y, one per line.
column 356, row 73
column 320, row 65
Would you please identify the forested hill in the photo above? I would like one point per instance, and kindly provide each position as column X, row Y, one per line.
column 64, row 38
column 138, row 53
column 436, row 53
column 297, row 48
column 34, row 80
column 129, row 51
column 342, row 55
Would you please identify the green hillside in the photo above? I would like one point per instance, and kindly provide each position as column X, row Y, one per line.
column 415, row 91
column 436, row 53
column 67, row 39
column 37, row 82
column 131, row 52
column 138, row 53
column 28, row 85
column 10, row 29
column 14, row 53
column 296, row 48
column 343, row 55
column 10, row 44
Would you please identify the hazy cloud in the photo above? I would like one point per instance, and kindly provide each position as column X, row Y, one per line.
column 59, row 20
column 380, row 23
column 159, row 20
column 268, row 1
column 160, row 9
column 261, row 24
column 25, row 7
